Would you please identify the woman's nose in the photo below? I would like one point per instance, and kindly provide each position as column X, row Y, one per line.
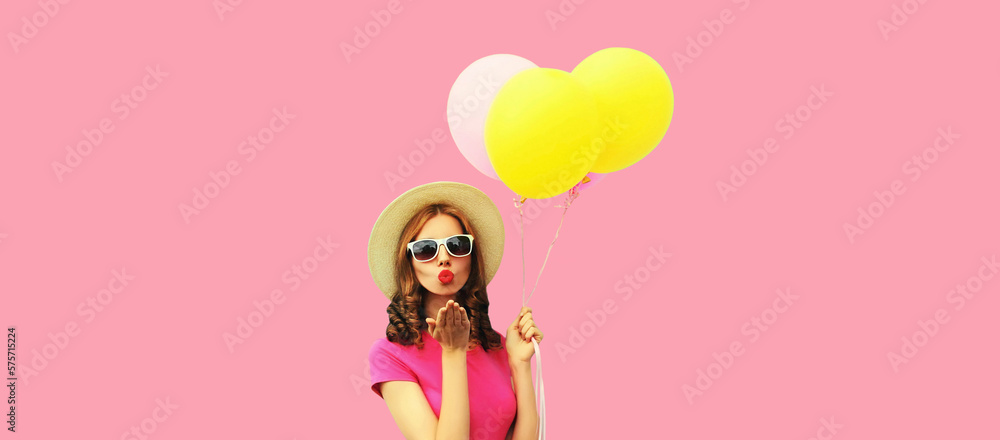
column 443, row 256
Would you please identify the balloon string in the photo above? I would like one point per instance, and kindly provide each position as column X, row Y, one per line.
column 540, row 391
column 570, row 197
column 518, row 204
column 540, row 384
column 547, row 255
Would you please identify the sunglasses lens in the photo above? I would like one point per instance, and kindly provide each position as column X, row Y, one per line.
column 424, row 250
column 459, row 246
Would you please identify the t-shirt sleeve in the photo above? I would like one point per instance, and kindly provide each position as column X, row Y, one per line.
column 386, row 364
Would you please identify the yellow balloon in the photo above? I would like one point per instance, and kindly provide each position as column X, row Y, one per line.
column 542, row 132
column 636, row 103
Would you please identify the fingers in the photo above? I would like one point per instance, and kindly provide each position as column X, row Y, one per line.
column 520, row 315
column 533, row 332
column 530, row 329
column 440, row 316
column 452, row 314
column 465, row 317
column 528, row 334
column 461, row 316
column 525, row 318
column 525, row 329
column 444, row 315
column 525, row 325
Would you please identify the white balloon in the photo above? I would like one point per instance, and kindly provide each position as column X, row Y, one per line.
column 470, row 99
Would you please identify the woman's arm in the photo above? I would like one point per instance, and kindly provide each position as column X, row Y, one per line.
column 451, row 329
column 454, row 420
column 410, row 410
column 526, row 420
column 413, row 414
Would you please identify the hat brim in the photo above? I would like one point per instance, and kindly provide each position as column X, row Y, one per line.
column 476, row 205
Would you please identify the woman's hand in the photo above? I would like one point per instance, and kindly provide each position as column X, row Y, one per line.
column 451, row 328
column 519, row 336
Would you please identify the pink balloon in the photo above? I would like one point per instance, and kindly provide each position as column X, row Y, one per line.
column 470, row 99
column 594, row 178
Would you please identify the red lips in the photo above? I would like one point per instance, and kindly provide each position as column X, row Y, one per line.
column 446, row 276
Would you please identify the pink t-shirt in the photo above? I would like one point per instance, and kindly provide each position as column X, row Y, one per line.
column 492, row 404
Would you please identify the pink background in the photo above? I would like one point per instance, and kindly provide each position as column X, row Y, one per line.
column 302, row 372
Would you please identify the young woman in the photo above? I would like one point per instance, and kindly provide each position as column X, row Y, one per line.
column 441, row 368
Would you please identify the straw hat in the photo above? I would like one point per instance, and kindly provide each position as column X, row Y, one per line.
column 478, row 208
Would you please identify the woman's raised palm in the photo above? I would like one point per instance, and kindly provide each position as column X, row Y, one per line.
column 451, row 328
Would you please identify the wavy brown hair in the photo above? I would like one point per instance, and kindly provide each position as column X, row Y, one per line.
column 406, row 310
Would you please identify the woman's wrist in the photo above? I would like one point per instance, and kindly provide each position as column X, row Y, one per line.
column 445, row 351
column 516, row 364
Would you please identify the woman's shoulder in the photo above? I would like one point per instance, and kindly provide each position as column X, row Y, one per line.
column 383, row 349
column 381, row 342
column 384, row 344
column 380, row 345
